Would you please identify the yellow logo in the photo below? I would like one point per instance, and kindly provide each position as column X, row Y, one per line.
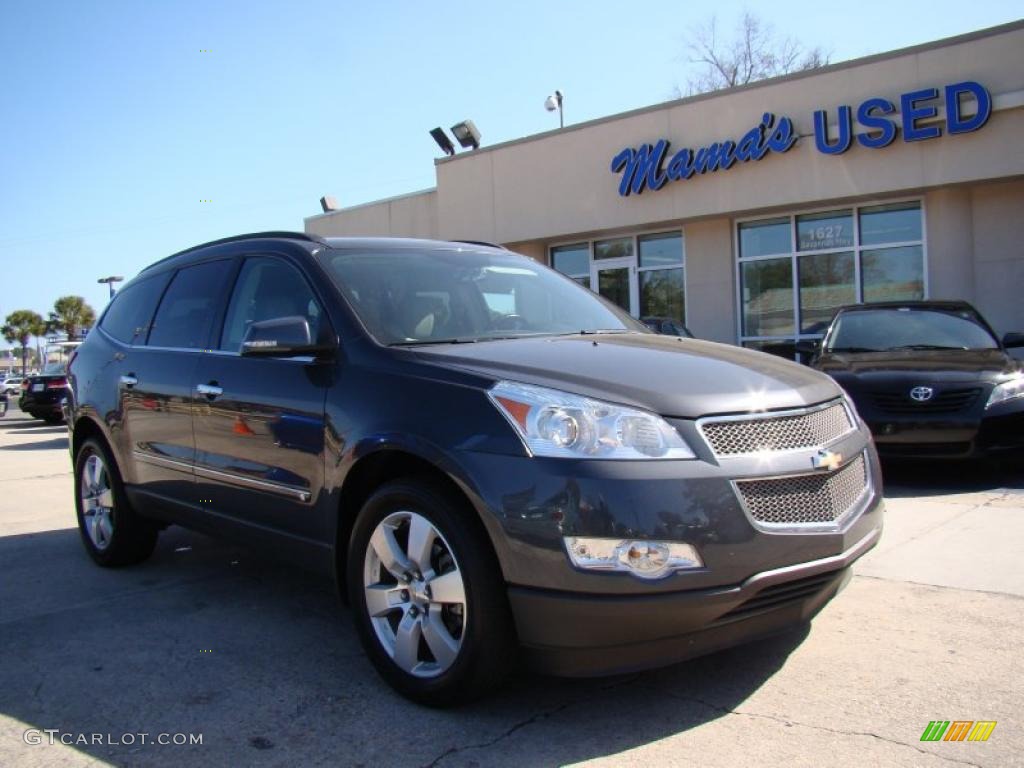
column 827, row 460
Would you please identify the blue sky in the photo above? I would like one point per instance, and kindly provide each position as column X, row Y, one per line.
column 120, row 119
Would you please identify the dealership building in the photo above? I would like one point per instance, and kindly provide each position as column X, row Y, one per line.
column 751, row 213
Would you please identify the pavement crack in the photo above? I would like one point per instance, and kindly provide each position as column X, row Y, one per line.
column 1010, row 595
column 796, row 723
column 535, row 718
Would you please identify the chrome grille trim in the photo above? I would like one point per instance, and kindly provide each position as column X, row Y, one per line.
column 791, row 430
column 816, row 501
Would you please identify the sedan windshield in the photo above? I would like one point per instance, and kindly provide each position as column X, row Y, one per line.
column 882, row 330
column 439, row 296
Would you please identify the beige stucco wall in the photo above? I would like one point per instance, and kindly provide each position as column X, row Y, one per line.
column 413, row 215
column 998, row 232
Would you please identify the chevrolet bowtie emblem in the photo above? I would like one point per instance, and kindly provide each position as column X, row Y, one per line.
column 828, row 460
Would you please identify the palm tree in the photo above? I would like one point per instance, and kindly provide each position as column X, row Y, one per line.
column 71, row 314
column 20, row 326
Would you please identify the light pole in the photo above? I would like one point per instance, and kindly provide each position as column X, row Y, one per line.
column 553, row 102
column 110, row 282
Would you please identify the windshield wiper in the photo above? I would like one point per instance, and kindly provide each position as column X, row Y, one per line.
column 923, row 347
column 598, row 331
column 853, row 349
column 421, row 342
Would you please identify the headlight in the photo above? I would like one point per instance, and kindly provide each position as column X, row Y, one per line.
column 1008, row 390
column 560, row 424
column 646, row 559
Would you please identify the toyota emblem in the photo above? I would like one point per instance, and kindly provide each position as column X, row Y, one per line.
column 922, row 394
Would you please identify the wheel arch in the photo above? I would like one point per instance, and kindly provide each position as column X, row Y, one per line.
column 374, row 469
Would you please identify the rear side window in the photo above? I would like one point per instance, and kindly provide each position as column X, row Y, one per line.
column 189, row 306
column 268, row 288
column 129, row 316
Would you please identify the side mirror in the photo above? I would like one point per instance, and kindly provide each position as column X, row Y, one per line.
column 808, row 347
column 1013, row 339
column 281, row 337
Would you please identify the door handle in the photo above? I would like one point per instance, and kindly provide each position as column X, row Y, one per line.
column 129, row 380
column 211, row 390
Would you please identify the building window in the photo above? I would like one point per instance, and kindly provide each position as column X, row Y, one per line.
column 644, row 274
column 574, row 261
column 662, row 283
column 795, row 270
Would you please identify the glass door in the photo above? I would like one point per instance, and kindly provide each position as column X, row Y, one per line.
column 615, row 279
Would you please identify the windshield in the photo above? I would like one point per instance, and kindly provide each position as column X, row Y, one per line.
column 880, row 330
column 436, row 296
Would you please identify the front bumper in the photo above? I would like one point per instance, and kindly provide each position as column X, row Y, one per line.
column 580, row 635
column 1000, row 429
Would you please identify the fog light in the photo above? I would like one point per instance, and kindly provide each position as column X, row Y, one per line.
column 645, row 559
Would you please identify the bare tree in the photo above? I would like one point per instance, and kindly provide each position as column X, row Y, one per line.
column 752, row 52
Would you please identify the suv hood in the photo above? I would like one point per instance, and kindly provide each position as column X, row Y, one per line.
column 968, row 365
column 685, row 378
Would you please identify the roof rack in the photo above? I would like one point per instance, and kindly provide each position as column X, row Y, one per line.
column 278, row 234
column 480, row 242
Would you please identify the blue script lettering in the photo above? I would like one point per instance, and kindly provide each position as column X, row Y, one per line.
column 641, row 168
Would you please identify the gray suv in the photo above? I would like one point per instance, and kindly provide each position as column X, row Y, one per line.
column 493, row 462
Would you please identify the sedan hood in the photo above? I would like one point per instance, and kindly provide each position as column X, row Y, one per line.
column 968, row 365
column 685, row 378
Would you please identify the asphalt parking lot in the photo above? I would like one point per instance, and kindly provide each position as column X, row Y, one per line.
column 262, row 662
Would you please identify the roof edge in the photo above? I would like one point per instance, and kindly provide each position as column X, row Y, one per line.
column 945, row 42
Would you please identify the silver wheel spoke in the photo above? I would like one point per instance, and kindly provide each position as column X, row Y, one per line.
column 379, row 599
column 103, row 523
column 421, row 539
column 444, row 647
column 448, row 588
column 105, row 498
column 387, row 549
column 407, row 642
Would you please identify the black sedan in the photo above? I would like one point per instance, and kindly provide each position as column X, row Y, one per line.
column 42, row 395
column 931, row 378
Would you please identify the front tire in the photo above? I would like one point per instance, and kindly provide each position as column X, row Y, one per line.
column 429, row 601
column 112, row 532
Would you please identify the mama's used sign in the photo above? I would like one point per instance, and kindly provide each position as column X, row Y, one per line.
column 652, row 166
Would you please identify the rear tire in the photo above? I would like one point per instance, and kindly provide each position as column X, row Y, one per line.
column 441, row 632
column 112, row 532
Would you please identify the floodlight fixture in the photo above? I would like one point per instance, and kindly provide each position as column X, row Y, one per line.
column 443, row 141
column 467, row 134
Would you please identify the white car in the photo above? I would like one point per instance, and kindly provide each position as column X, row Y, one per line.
column 12, row 385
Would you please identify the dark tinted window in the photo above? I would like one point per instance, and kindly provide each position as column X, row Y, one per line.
column 268, row 288
column 884, row 329
column 132, row 309
column 188, row 306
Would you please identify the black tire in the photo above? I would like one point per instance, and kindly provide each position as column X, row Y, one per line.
column 53, row 419
column 132, row 538
column 489, row 649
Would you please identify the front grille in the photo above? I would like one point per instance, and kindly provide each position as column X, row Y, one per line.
column 805, row 500
column 947, row 401
column 781, row 595
column 810, row 429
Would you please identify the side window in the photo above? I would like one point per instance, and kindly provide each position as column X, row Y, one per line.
column 189, row 305
column 268, row 288
column 131, row 311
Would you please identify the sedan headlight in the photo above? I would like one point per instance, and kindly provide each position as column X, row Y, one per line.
column 1008, row 390
column 560, row 424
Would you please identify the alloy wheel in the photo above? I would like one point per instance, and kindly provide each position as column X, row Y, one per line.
column 415, row 594
column 97, row 502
